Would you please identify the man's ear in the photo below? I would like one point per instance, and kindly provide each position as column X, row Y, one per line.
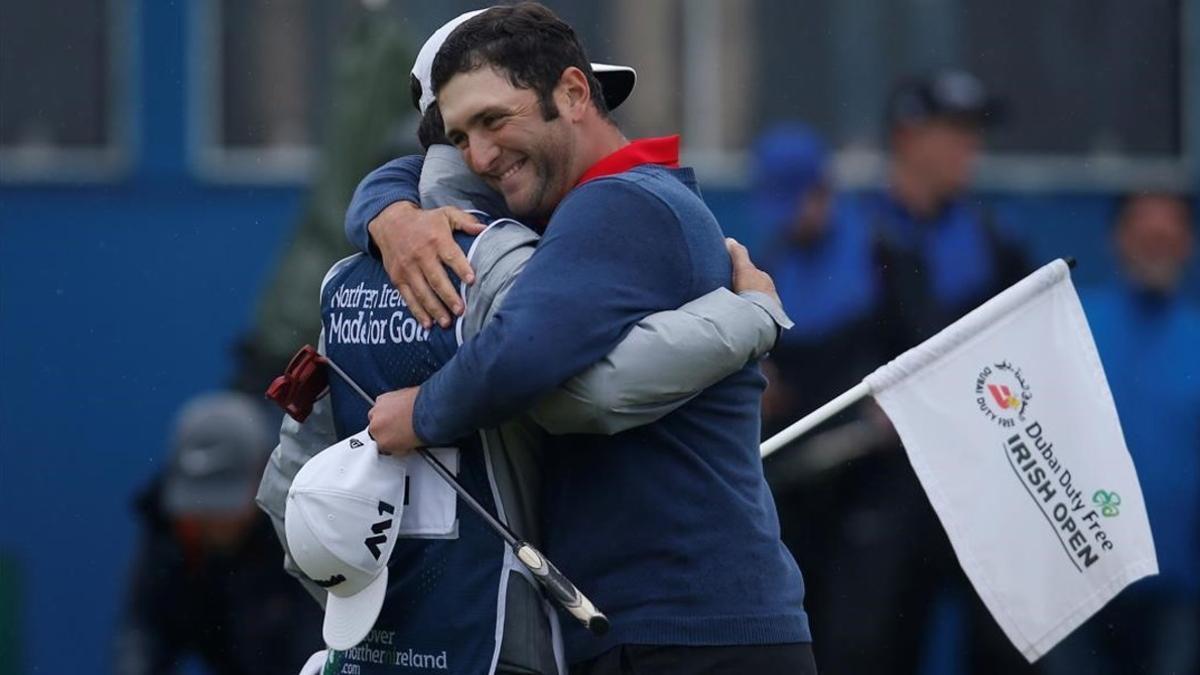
column 573, row 93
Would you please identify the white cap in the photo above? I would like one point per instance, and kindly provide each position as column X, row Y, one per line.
column 343, row 510
column 615, row 81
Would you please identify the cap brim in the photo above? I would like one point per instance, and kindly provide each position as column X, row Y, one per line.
column 616, row 81
column 315, row 663
column 349, row 619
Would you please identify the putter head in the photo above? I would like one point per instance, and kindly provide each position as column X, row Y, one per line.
column 301, row 384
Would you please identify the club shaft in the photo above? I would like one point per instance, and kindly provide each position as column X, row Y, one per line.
column 442, row 471
column 555, row 583
column 438, row 467
column 348, row 380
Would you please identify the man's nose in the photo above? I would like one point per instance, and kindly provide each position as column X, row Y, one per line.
column 481, row 154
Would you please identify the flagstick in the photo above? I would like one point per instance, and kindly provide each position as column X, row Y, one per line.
column 806, row 423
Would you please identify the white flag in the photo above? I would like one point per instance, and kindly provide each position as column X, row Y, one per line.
column 1008, row 421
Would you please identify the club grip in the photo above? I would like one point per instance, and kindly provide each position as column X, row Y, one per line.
column 562, row 589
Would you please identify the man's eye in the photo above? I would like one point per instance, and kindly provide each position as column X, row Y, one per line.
column 493, row 122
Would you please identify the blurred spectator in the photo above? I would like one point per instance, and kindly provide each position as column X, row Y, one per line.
column 958, row 255
column 1148, row 336
column 820, row 251
column 825, row 262
column 891, row 562
column 370, row 124
column 207, row 581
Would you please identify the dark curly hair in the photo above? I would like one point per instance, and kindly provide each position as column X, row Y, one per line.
column 526, row 42
column 430, row 128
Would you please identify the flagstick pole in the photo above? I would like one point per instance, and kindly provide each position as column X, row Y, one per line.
column 806, row 423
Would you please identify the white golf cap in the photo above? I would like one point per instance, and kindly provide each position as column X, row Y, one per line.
column 615, row 81
column 343, row 510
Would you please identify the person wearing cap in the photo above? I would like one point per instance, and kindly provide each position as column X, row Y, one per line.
column 892, row 565
column 651, row 372
column 818, row 247
column 669, row 527
column 959, row 253
column 825, row 260
column 205, row 583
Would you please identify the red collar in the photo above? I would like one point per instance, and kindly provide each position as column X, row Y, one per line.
column 664, row 151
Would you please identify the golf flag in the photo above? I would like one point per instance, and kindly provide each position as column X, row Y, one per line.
column 1008, row 420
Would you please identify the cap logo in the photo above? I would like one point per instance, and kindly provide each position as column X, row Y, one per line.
column 330, row 582
column 380, row 529
column 355, row 443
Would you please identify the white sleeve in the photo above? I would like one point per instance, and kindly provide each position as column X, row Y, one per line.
column 665, row 360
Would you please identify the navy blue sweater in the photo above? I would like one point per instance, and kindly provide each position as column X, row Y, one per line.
column 396, row 181
column 669, row 528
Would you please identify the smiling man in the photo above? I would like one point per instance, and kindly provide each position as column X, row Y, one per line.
column 670, row 527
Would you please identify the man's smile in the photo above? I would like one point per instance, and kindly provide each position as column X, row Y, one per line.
column 512, row 169
column 501, row 177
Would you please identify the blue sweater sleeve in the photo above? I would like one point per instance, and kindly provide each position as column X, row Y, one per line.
column 613, row 253
column 396, row 181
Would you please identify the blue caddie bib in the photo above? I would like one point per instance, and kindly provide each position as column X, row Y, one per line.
column 444, row 607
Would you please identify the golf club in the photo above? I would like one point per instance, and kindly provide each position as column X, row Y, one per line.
column 301, row 384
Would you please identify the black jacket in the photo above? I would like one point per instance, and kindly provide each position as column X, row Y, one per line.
column 237, row 612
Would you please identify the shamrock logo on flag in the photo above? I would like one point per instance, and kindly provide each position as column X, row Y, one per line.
column 1108, row 503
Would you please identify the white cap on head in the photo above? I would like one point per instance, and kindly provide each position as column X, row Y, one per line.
column 343, row 510
column 615, row 81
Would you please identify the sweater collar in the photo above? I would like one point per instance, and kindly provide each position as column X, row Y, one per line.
column 663, row 151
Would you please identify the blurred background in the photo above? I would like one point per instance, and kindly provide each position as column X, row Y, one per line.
column 173, row 175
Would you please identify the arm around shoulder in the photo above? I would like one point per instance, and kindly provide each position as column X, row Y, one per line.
column 601, row 267
column 665, row 360
column 396, row 181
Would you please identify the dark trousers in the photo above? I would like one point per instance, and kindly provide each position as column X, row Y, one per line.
column 888, row 564
column 1146, row 630
column 785, row 659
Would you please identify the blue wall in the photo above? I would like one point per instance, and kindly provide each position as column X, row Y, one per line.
column 116, row 305
column 119, row 301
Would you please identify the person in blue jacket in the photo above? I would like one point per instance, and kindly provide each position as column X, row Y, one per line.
column 891, row 565
column 825, row 261
column 670, row 526
column 827, row 265
column 1148, row 333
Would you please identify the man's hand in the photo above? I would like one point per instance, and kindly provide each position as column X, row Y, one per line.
column 391, row 422
column 747, row 277
column 415, row 245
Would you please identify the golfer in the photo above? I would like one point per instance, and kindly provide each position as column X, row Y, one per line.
column 669, row 527
column 439, row 605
